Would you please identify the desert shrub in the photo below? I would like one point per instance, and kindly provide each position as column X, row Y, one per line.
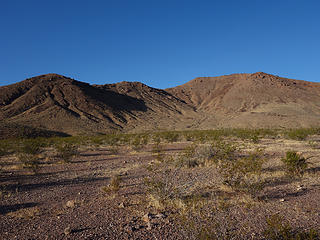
column 162, row 190
column 31, row 146
column 243, row 173
column 112, row 139
column 295, row 164
column 114, row 185
column 29, row 161
column 195, row 155
column 301, row 133
column 186, row 158
column 114, row 150
column 67, row 151
column 314, row 144
column 170, row 136
column 137, row 143
column 279, row 229
column 222, row 150
column 97, row 141
column 157, row 150
column 4, row 150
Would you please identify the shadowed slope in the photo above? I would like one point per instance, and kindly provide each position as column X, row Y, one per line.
column 59, row 103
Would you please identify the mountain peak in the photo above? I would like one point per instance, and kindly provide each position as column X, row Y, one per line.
column 261, row 75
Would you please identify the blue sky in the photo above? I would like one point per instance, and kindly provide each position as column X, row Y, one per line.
column 162, row 43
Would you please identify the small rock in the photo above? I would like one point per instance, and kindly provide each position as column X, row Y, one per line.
column 121, row 205
column 149, row 226
column 282, row 200
column 67, row 231
column 160, row 215
column 70, row 204
column 300, row 187
column 146, row 217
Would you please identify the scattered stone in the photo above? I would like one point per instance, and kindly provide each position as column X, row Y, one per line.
column 146, row 217
column 121, row 205
column 300, row 187
column 149, row 226
column 67, row 231
column 70, row 204
column 160, row 215
column 282, row 200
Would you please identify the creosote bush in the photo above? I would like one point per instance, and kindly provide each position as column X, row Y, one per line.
column 243, row 173
column 279, row 229
column 195, row 155
column 114, row 185
column 31, row 146
column 295, row 164
column 67, row 151
column 29, row 161
column 162, row 190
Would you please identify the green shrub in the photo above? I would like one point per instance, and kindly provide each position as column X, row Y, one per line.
column 31, row 146
column 114, row 185
column 170, row 136
column 295, row 164
column 29, row 161
column 301, row 133
column 279, row 229
column 136, row 143
column 224, row 151
column 195, row 155
column 67, row 151
column 3, row 150
column 243, row 173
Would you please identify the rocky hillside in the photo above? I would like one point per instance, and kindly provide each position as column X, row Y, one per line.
column 252, row 100
column 56, row 103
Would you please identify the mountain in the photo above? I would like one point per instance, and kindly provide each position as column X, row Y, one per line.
column 252, row 100
column 59, row 104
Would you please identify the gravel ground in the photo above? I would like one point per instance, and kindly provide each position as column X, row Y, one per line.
column 66, row 200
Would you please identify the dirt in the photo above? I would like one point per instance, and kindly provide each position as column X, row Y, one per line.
column 67, row 200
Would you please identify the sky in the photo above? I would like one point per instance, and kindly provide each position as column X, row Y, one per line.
column 162, row 43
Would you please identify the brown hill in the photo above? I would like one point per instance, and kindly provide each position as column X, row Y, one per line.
column 60, row 104
column 252, row 100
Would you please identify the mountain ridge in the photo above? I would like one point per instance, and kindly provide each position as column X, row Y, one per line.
column 57, row 103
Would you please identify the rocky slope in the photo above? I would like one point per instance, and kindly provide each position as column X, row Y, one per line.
column 57, row 103
column 252, row 100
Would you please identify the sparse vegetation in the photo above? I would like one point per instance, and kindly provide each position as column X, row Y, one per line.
column 29, row 161
column 301, row 133
column 295, row 164
column 67, row 151
column 279, row 229
column 243, row 173
column 114, row 185
column 25, row 213
column 206, row 186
